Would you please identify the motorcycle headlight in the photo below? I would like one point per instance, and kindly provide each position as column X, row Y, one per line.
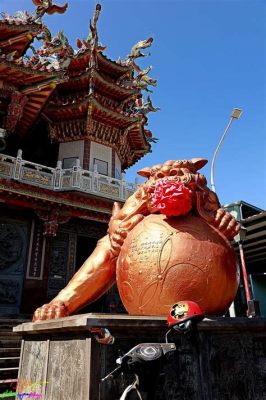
column 149, row 352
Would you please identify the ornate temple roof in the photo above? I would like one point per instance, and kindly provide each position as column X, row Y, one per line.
column 28, row 89
column 82, row 94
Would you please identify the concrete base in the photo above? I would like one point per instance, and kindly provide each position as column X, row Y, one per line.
column 224, row 359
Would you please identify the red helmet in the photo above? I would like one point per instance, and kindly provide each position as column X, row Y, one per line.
column 184, row 311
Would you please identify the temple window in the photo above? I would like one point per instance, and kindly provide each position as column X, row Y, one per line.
column 69, row 162
column 101, row 156
column 102, row 166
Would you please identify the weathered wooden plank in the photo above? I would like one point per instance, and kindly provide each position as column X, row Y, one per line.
column 32, row 369
column 67, row 370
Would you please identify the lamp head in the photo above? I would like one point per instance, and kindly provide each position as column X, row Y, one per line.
column 236, row 113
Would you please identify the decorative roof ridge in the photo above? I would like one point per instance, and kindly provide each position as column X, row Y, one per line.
column 22, row 25
column 42, row 7
column 29, row 68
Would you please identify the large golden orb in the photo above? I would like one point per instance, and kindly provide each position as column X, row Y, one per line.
column 164, row 260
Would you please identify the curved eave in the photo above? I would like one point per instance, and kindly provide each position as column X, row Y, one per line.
column 98, row 112
column 17, row 74
column 137, row 155
column 110, row 89
column 112, row 67
column 67, row 111
column 36, row 101
column 82, row 57
column 110, row 117
column 17, row 36
column 119, row 92
column 80, row 60
column 137, row 142
column 137, row 138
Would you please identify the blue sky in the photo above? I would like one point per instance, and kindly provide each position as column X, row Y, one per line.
column 209, row 56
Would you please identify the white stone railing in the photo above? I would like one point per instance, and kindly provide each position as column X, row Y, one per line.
column 59, row 179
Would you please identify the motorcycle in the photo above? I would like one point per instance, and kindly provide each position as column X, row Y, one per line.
column 144, row 360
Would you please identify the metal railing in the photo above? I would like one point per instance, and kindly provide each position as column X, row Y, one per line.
column 59, row 179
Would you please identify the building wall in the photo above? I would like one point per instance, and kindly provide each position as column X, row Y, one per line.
column 71, row 150
column 117, row 167
column 102, row 153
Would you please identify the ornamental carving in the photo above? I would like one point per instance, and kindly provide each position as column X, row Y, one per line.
column 16, row 106
column 108, row 189
column 9, row 290
column 33, row 176
column 5, row 169
column 58, row 264
column 66, row 131
column 15, row 110
column 51, row 219
column 11, row 245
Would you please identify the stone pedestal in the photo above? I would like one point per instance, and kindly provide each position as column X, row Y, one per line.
column 223, row 359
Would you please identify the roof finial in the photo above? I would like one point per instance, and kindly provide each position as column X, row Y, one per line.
column 93, row 37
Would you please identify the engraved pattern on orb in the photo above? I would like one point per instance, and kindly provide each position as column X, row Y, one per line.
column 164, row 260
column 11, row 245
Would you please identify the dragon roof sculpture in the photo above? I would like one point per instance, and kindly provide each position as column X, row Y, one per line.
column 43, row 7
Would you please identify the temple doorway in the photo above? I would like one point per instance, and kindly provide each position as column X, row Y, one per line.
column 85, row 246
column 13, row 258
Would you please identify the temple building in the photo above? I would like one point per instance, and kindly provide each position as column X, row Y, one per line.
column 71, row 122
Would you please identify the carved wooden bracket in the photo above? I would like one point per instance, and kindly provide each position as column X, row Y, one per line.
column 15, row 108
column 51, row 219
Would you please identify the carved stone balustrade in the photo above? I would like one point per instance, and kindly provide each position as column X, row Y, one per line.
column 59, row 179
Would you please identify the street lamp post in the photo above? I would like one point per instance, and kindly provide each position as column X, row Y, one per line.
column 253, row 305
column 236, row 113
